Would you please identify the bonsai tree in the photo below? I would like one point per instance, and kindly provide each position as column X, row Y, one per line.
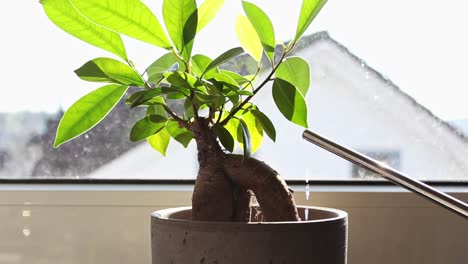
column 190, row 97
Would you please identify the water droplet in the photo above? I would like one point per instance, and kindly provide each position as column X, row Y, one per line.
column 306, row 214
column 363, row 64
column 26, row 213
column 307, row 192
column 86, row 136
column 26, row 232
column 367, row 76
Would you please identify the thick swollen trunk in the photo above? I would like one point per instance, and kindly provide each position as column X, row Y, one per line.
column 222, row 187
column 271, row 191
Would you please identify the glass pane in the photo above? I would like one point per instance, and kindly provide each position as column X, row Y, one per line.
column 387, row 79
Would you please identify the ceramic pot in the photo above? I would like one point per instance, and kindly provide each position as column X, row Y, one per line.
column 178, row 240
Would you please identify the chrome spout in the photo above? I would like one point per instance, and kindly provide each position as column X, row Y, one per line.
column 416, row 186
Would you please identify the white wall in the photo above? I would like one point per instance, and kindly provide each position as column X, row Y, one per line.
column 104, row 224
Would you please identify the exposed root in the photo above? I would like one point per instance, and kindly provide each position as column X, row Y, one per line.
column 222, row 187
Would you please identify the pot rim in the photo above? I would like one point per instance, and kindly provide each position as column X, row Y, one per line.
column 162, row 216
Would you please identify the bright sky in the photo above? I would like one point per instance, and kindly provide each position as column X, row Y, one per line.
column 421, row 45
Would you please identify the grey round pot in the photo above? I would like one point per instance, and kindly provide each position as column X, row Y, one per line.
column 175, row 239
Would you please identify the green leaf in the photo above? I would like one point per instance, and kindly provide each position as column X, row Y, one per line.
column 263, row 27
column 181, row 18
column 290, row 102
column 156, row 110
column 240, row 80
column 255, row 130
column 133, row 97
column 295, row 70
column 226, row 80
column 188, row 109
column 182, row 80
column 145, row 96
column 180, row 134
column 163, row 64
column 147, row 126
column 207, row 11
column 248, row 37
column 88, row 111
column 65, row 16
column 160, row 141
column 109, row 70
column 129, row 17
column 226, row 56
column 233, row 127
column 224, row 136
column 199, row 64
column 309, row 10
column 266, row 123
column 246, row 140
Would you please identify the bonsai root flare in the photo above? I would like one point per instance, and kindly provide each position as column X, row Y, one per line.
column 225, row 181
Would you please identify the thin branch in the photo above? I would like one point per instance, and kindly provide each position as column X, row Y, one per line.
column 267, row 79
column 220, row 114
column 211, row 114
column 172, row 114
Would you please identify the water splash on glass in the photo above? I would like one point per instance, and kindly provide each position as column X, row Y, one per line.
column 367, row 75
column 307, row 194
column 26, row 232
column 307, row 188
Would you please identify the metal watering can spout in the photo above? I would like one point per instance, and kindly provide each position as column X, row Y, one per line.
column 437, row 197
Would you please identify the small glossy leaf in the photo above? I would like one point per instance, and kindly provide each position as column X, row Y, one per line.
column 267, row 125
column 290, row 102
column 199, row 64
column 145, row 96
column 233, row 127
column 188, row 109
column 246, row 140
column 248, row 37
column 66, row 17
column 160, row 141
column 224, row 136
column 129, row 17
column 182, row 79
column 226, row 56
column 147, row 126
column 88, row 111
column 226, row 80
column 255, row 130
column 180, row 134
column 295, row 70
column 141, row 98
column 244, row 92
column 263, row 27
column 181, row 93
column 181, row 18
column 207, row 11
column 309, row 10
column 240, row 80
column 156, row 110
column 109, row 70
column 135, row 96
column 164, row 64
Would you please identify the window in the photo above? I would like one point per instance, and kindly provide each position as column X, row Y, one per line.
column 378, row 83
column 390, row 158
